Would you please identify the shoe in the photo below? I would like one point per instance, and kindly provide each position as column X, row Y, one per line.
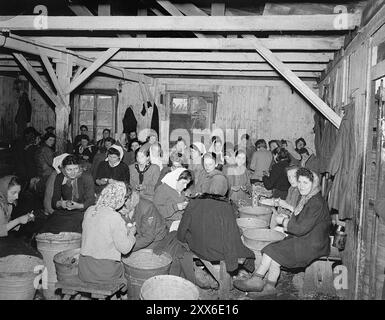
column 254, row 284
column 204, row 280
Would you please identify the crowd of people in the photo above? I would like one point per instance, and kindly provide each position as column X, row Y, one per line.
column 122, row 196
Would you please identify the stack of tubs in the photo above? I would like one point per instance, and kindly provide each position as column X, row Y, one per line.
column 17, row 277
column 256, row 238
column 142, row 265
column 49, row 245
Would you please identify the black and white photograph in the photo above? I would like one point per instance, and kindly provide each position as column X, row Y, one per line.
column 194, row 156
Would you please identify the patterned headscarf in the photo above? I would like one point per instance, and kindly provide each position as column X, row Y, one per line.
column 304, row 199
column 112, row 196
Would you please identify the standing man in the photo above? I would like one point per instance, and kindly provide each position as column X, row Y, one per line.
column 260, row 161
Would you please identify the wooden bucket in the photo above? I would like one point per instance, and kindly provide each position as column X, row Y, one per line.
column 168, row 287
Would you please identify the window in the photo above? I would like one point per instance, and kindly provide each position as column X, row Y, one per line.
column 97, row 110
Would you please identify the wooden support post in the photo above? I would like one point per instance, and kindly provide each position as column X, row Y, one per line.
column 64, row 73
column 104, row 9
column 142, row 12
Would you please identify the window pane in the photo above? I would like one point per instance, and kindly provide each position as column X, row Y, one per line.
column 86, row 113
column 105, row 114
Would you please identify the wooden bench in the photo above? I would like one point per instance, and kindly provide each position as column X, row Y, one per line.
column 75, row 287
column 221, row 276
column 318, row 277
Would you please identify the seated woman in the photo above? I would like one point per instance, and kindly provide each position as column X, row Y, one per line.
column 276, row 180
column 308, row 230
column 169, row 199
column 239, row 179
column 113, row 169
column 150, row 226
column 9, row 245
column 85, row 151
column 156, row 155
column 197, row 150
column 105, row 238
column 73, row 193
column 143, row 174
column 175, row 161
column 212, row 180
column 209, row 228
column 57, row 164
column 288, row 205
column 217, row 149
column 101, row 155
column 133, row 145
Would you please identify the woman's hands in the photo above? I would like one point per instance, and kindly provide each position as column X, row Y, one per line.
column 102, row 181
column 131, row 229
column 140, row 187
column 24, row 219
column 182, row 205
column 70, row 205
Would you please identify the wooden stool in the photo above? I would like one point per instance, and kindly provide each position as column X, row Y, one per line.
column 319, row 275
column 221, row 276
column 75, row 286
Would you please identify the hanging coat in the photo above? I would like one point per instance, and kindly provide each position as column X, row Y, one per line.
column 129, row 121
column 342, row 167
column 155, row 120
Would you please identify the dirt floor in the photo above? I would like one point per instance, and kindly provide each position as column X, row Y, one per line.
column 288, row 288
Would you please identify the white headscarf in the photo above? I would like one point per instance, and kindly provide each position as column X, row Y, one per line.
column 57, row 161
column 120, row 149
column 201, row 147
column 171, row 178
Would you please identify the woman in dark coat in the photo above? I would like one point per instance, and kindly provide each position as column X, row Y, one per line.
column 73, row 193
column 277, row 179
column 307, row 240
column 113, row 169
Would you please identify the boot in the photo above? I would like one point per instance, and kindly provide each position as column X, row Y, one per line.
column 204, row 280
column 254, row 284
column 270, row 287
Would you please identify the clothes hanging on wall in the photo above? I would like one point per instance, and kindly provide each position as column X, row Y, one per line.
column 342, row 167
column 155, row 119
column 24, row 112
column 129, row 121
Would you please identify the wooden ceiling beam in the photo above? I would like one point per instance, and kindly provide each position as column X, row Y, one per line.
column 25, row 45
column 80, row 10
column 301, row 87
column 35, row 76
column 300, row 57
column 318, row 67
column 305, row 23
column 104, row 57
column 282, row 43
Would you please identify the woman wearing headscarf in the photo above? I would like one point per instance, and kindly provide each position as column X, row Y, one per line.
column 217, row 149
column 276, row 179
column 197, row 151
column 212, row 181
column 168, row 198
column 73, row 193
column 9, row 245
column 156, row 155
column 239, row 179
column 57, row 162
column 143, row 174
column 308, row 237
column 105, row 238
column 112, row 169
column 286, row 206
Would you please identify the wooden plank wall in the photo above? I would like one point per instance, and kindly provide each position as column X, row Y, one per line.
column 42, row 114
column 8, row 109
column 347, row 82
column 265, row 109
